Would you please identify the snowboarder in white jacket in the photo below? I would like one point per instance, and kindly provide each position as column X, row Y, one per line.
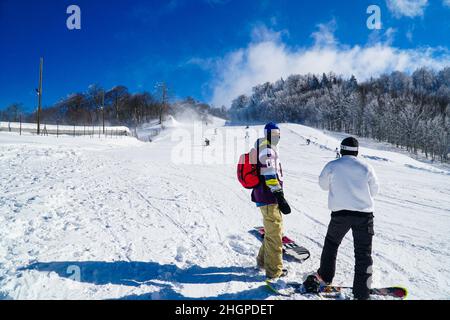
column 352, row 185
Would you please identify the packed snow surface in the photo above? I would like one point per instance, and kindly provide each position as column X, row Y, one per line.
column 117, row 218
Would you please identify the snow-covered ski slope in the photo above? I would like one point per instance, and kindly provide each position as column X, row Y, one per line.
column 89, row 218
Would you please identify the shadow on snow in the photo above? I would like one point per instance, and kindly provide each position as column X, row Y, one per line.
column 152, row 273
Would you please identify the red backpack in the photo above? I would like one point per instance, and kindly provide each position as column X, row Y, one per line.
column 248, row 169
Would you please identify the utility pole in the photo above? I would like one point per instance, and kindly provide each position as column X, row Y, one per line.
column 103, row 110
column 41, row 67
column 164, row 101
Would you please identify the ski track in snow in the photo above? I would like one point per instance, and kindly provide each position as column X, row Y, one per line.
column 85, row 218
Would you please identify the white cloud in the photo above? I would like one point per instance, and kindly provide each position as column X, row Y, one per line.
column 325, row 35
column 269, row 59
column 446, row 3
column 378, row 36
column 407, row 8
column 261, row 33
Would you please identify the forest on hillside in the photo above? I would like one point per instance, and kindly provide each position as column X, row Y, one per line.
column 117, row 106
column 410, row 111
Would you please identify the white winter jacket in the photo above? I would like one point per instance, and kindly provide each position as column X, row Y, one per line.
column 352, row 184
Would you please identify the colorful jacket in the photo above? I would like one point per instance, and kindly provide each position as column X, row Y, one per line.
column 271, row 174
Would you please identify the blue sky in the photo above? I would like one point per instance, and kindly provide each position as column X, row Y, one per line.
column 211, row 50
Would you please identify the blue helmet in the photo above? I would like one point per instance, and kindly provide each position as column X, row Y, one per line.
column 271, row 126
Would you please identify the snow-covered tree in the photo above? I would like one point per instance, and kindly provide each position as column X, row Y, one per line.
column 410, row 111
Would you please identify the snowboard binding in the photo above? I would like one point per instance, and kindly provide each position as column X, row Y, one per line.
column 312, row 284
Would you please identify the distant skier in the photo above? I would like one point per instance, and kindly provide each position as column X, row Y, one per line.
column 352, row 185
column 247, row 136
column 269, row 197
column 308, row 142
column 207, row 142
column 338, row 154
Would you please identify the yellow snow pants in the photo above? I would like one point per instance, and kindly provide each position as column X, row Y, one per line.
column 271, row 252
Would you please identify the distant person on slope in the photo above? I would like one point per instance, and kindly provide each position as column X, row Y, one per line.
column 352, row 185
column 338, row 154
column 269, row 197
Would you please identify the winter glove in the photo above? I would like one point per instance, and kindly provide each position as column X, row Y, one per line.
column 282, row 203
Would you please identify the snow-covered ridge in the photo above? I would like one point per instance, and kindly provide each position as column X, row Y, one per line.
column 328, row 142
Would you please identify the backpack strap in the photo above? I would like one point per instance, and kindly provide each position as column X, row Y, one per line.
column 258, row 163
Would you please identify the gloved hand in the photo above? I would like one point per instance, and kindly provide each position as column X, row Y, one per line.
column 282, row 203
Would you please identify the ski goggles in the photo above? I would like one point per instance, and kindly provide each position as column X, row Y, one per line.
column 348, row 148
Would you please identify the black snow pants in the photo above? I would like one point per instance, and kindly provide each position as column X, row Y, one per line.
column 361, row 224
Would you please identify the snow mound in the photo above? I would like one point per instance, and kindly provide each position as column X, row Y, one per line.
column 172, row 123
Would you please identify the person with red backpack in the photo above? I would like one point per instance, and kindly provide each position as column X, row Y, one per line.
column 261, row 171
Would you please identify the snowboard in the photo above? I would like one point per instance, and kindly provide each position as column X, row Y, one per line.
column 290, row 248
column 290, row 288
